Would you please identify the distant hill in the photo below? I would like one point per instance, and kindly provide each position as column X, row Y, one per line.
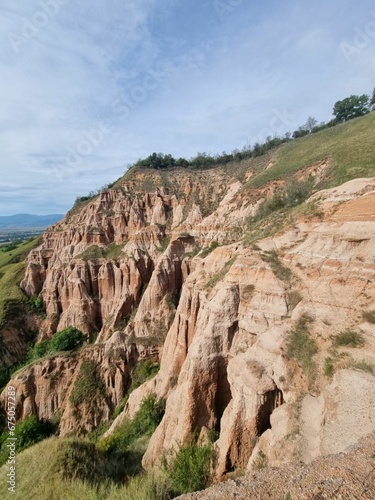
column 21, row 221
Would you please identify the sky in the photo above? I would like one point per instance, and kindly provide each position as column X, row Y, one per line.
column 89, row 87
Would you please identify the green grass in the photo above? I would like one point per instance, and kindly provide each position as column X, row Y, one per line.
column 302, row 348
column 362, row 365
column 40, row 476
column 143, row 424
column 349, row 146
column 188, row 467
column 329, row 367
column 87, row 385
column 221, row 274
column 349, row 338
column 94, row 252
column 282, row 272
column 144, row 370
column 12, row 269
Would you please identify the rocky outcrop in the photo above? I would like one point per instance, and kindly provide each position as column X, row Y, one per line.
column 225, row 363
column 134, row 266
column 78, row 391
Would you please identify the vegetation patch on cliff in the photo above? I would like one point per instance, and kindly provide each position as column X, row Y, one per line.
column 221, row 274
column 88, row 384
column 94, row 252
column 302, row 348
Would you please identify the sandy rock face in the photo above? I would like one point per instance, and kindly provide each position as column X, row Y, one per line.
column 78, row 391
column 220, row 321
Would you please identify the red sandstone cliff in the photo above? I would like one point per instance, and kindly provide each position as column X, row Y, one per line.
column 128, row 266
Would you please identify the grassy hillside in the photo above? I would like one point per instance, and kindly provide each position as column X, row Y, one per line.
column 12, row 268
column 349, row 146
column 39, row 476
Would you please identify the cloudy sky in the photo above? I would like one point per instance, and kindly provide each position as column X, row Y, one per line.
column 88, row 87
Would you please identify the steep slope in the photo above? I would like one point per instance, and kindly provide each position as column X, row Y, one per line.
column 247, row 316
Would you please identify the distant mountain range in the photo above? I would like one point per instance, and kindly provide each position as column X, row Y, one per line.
column 22, row 221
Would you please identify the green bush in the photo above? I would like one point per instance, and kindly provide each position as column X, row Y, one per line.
column 67, row 340
column 36, row 304
column 28, row 432
column 221, row 274
column 144, row 423
column 31, row 431
column 363, row 365
column 82, row 460
column 188, row 468
column 292, row 195
column 143, row 371
column 93, row 252
column 39, row 350
column 349, row 338
column 329, row 367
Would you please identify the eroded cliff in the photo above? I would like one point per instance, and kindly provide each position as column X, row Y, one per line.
column 137, row 271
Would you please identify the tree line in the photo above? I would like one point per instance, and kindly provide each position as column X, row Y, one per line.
column 351, row 107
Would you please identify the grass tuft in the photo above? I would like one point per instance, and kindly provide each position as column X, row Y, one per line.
column 349, row 338
column 282, row 272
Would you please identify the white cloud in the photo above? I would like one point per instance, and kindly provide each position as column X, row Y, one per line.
column 219, row 84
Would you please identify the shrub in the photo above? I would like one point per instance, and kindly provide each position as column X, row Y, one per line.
column 82, row 460
column 188, row 467
column 349, row 338
column 113, row 251
column 144, row 423
column 164, row 244
column 87, row 385
column 28, row 432
column 36, row 304
column 119, row 409
column 294, row 194
column 221, row 274
column 302, row 348
column 39, row 350
column 31, row 431
column 67, row 340
column 143, row 371
column 361, row 365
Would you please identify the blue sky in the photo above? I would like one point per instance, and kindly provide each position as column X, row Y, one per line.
column 88, row 87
